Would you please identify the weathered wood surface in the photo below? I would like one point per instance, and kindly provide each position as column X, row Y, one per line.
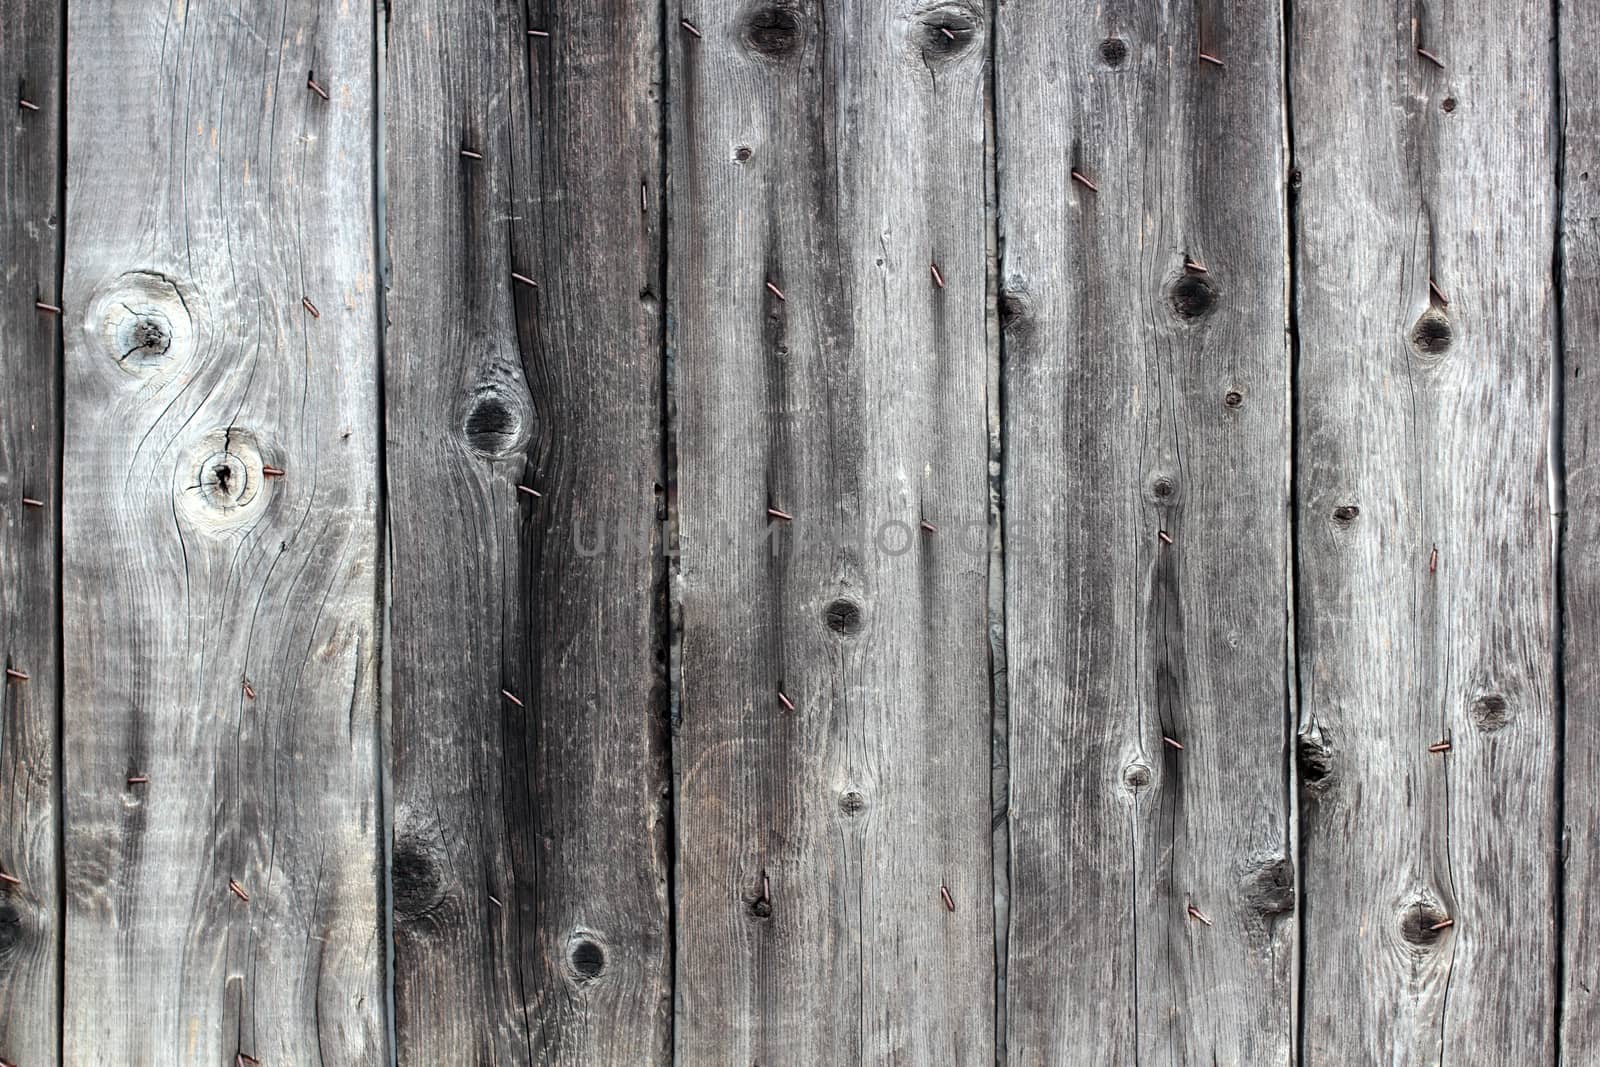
column 1145, row 432
column 1579, row 281
column 220, row 621
column 30, row 487
column 1424, row 154
column 529, row 694
column 825, row 157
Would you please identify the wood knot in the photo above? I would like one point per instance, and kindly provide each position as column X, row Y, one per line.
column 222, row 480
column 1233, row 398
column 141, row 320
column 946, row 32
column 1424, row 922
column 495, row 424
column 843, row 616
column 1163, row 490
column 1136, row 775
column 1113, row 50
column 1432, row 334
column 1315, row 759
column 1269, row 887
column 1192, row 297
column 586, row 957
column 417, row 884
column 1491, row 713
column 852, row 803
column 1345, row 514
column 773, row 32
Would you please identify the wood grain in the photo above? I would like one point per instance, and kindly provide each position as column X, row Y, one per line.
column 529, row 689
column 1423, row 148
column 827, row 274
column 1579, row 280
column 221, row 789
column 1143, row 292
column 30, row 458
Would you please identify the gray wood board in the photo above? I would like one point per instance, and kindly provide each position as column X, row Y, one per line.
column 826, row 157
column 1424, row 153
column 529, row 702
column 221, row 732
column 30, row 456
column 1144, row 304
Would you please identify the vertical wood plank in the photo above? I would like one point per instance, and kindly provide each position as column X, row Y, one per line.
column 834, row 748
column 1425, row 219
column 222, row 804
column 30, row 424
column 529, row 703
column 1580, row 574
column 1144, row 302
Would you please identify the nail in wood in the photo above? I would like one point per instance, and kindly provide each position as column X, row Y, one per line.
column 538, row 33
column 776, row 291
column 1439, row 746
column 467, row 153
column 1433, row 560
column 1196, row 913
column 938, row 279
column 51, row 309
column 1083, row 179
column 249, row 691
column 778, row 514
column 31, row 502
column 686, row 24
column 1172, row 742
column 1443, row 925
column 495, row 901
column 1431, row 58
column 946, row 31
column 644, row 198
column 1207, row 57
column 16, row 675
column 10, row 879
column 139, row 779
column 1438, row 293
column 272, row 472
column 525, row 280
column 509, row 695
column 28, row 104
column 528, row 490
column 928, row 527
column 1194, row 268
column 305, row 301
column 238, row 890
column 788, row 705
column 949, row 901
column 311, row 83
column 1166, row 538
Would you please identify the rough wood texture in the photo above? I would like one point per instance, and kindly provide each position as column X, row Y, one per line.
column 221, row 620
column 824, row 154
column 30, row 425
column 1424, row 415
column 1580, row 304
column 1146, row 534
column 529, row 704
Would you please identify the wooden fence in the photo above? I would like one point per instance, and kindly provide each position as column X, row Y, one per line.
column 799, row 532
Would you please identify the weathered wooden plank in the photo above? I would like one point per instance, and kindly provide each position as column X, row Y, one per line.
column 827, row 284
column 1425, row 221
column 220, row 537
column 1143, row 289
column 1580, row 559
column 529, row 699
column 30, row 457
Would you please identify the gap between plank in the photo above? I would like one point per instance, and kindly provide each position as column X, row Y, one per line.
column 1557, row 465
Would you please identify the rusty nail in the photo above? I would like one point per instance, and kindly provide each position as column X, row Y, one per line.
column 538, row 33
column 1438, row 292
column 928, row 527
column 495, row 901
column 949, row 901
column 1439, row 746
column 776, row 291
column 468, row 153
column 766, row 887
column 788, row 705
column 947, row 32
column 1442, row 924
column 28, row 104
column 686, row 24
column 16, row 675
column 10, row 879
column 1194, row 267
column 1433, row 560
column 305, row 301
column 938, row 279
column 238, row 890
column 1207, row 57
column 1172, row 741
column 272, row 472
column 1166, row 538
column 509, row 695
column 249, row 691
column 1079, row 176
column 31, row 502
column 779, row 514
column 138, row 779
column 528, row 490
column 644, row 198
column 1196, row 913
column 524, row 279
column 1430, row 57
column 53, row 309
column 311, row 83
